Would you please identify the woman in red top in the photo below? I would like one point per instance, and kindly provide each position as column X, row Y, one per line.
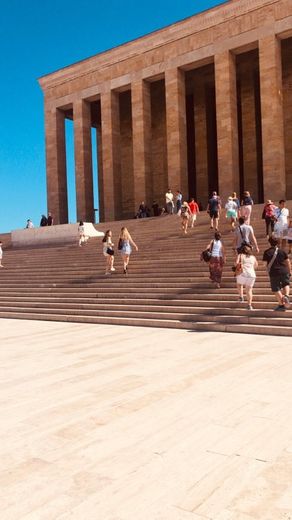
column 194, row 210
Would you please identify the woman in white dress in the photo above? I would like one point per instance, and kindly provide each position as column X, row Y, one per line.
column 246, row 264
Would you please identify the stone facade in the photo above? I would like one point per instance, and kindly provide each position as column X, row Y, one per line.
column 203, row 104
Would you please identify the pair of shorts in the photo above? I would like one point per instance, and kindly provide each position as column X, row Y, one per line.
column 247, row 281
column 109, row 252
column 280, row 230
column 231, row 213
column 214, row 214
column 278, row 282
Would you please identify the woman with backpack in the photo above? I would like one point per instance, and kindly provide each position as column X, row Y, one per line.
column 269, row 216
column 217, row 259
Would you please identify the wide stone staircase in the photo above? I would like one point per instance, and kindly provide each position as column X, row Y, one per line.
column 167, row 285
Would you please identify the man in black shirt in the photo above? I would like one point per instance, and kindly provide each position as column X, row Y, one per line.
column 214, row 208
column 279, row 268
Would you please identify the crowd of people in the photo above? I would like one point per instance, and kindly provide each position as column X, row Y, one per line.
column 238, row 214
column 278, row 229
column 244, row 244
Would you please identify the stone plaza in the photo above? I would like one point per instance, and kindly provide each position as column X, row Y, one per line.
column 100, row 422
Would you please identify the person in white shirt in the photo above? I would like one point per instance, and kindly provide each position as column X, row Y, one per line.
column 281, row 226
column 1, row 254
column 108, row 252
column 29, row 224
column 169, row 201
column 246, row 278
column 81, row 231
column 217, row 260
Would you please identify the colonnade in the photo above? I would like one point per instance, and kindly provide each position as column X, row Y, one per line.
column 273, row 146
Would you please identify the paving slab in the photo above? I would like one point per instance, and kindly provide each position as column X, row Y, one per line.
column 104, row 422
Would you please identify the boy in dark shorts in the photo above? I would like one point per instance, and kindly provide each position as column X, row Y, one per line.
column 279, row 269
column 214, row 207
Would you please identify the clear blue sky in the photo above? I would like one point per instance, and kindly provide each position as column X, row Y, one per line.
column 38, row 37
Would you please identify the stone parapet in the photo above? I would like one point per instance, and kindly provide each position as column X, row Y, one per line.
column 52, row 234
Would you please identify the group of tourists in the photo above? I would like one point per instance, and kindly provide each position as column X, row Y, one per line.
column 125, row 244
column 45, row 221
column 186, row 210
column 233, row 208
column 278, row 230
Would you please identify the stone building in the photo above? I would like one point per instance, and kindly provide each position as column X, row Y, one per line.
column 203, row 104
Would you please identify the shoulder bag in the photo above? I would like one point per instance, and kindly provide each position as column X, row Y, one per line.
column 270, row 264
column 207, row 253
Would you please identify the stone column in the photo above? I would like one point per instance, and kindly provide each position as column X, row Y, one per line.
column 227, row 127
column 176, row 131
column 100, row 172
column 83, row 160
column 141, row 125
column 272, row 118
column 201, row 142
column 110, row 129
column 56, row 165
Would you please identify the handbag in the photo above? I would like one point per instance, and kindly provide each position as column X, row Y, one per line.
column 120, row 244
column 207, row 253
column 237, row 269
column 110, row 251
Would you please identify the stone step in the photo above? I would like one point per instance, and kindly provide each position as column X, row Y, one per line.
column 167, row 285
column 210, row 310
column 229, row 302
column 216, row 294
column 279, row 318
column 176, row 324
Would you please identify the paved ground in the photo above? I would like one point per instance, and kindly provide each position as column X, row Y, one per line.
column 121, row 423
